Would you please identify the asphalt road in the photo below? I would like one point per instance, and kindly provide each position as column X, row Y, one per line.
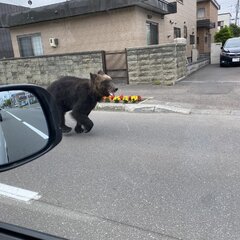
column 136, row 176
column 21, row 128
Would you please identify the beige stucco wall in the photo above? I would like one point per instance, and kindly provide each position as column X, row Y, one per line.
column 186, row 12
column 211, row 12
column 113, row 30
column 214, row 18
column 205, row 5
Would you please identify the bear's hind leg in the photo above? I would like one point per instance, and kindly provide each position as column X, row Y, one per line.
column 64, row 128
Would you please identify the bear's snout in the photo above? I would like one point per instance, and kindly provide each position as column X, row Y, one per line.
column 115, row 89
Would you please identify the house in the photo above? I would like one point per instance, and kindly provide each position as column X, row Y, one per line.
column 207, row 22
column 6, row 49
column 79, row 25
column 224, row 19
column 182, row 24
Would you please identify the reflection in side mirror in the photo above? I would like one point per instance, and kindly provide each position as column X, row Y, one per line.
column 23, row 126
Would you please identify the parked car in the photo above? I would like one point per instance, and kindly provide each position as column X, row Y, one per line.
column 230, row 54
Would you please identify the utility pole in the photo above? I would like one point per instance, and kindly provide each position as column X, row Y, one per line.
column 237, row 11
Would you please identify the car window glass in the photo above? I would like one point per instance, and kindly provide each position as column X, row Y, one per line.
column 233, row 43
column 23, row 127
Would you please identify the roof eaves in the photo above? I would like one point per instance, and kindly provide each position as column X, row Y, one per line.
column 217, row 5
column 225, row 14
column 79, row 7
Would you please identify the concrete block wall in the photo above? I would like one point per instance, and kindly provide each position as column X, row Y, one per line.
column 159, row 64
column 45, row 69
column 181, row 61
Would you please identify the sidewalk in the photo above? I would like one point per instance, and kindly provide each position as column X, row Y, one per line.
column 211, row 90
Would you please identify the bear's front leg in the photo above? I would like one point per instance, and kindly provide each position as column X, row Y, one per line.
column 84, row 124
column 87, row 124
column 79, row 128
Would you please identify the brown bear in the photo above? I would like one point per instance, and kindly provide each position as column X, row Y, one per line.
column 80, row 95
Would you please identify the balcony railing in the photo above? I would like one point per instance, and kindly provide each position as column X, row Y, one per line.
column 206, row 23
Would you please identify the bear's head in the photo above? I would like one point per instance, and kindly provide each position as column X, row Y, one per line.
column 102, row 84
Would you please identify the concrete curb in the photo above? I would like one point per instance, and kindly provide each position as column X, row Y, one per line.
column 230, row 112
column 143, row 108
column 161, row 108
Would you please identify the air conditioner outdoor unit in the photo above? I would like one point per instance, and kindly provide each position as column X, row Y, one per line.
column 53, row 42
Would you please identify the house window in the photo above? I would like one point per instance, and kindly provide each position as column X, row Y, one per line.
column 220, row 23
column 177, row 32
column 185, row 32
column 201, row 13
column 152, row 33
column 30, row 45
column 192, row 39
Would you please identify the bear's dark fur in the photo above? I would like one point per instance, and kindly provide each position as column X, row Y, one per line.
column 80, row 95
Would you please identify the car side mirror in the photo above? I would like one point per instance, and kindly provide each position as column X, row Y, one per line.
column 29, row 124
column 221, row 47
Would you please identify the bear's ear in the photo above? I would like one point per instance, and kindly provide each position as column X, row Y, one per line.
column 93, row 78
column 101, row 72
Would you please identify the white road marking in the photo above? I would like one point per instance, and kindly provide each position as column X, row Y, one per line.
column 14, row 116
column 18, row 193
column 41, row 134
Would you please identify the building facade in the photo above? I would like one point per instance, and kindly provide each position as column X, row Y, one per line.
column 181, row 25
column 207, row 24
column 224, row 19
column 77, row 26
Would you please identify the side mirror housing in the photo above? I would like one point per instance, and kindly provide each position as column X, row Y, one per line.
column 29, row 124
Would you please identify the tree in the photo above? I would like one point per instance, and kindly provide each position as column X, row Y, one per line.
column 223, row 35
column 235, row 30
column 7, row 103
